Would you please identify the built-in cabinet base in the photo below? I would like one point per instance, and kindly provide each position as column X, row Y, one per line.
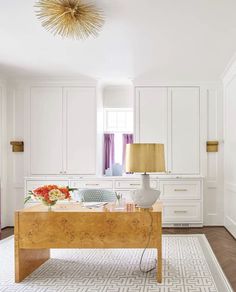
column 181, row 196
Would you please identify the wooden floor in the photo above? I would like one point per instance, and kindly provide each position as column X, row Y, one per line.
column 222, row 243
column 7, row 232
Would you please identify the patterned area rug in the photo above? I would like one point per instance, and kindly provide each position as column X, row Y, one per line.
column 189, row 265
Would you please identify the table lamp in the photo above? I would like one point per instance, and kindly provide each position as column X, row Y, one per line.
column 145, row 158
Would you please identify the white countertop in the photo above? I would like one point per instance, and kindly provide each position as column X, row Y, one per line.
column 127, row 176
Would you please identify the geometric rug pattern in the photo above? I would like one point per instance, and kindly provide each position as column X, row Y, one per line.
column 189, row 265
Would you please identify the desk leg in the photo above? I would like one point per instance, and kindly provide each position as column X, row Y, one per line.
column 28, row 260
column 159, row 249
column 159, row 265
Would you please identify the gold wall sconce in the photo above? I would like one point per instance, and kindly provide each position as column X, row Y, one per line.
column 17, row 146
column 212, row 146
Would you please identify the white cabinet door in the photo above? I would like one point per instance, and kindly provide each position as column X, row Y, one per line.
column 80, row 130
column 185, row 130
column 151, row 116
column 46, row 130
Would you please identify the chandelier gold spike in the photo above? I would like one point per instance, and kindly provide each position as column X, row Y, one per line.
column 70, row 18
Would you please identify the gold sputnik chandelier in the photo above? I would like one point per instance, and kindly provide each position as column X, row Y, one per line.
column 70, row 18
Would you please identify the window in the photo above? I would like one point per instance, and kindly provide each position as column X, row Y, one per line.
column 118, row 120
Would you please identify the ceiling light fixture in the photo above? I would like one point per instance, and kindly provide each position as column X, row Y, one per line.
column 70, row 18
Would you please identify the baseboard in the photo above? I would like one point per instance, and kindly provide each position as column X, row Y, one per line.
column 230, row 233
column 209, row 226
column 230, row 226
column 6, row 227
column 193, row 227
column 182, row 225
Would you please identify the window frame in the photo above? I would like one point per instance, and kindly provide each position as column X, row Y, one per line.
column 105, row 120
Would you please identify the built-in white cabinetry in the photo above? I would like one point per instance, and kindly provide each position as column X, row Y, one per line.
column 46, row 130
column 171, row 115
column 63, row 144
column 184, row 130
column 181, row 197
column 80, row 130
column 182, row 200
column 152, row 115
column 62, row 130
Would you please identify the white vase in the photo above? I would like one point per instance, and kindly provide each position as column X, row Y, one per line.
column 117, row 169
column 145, row 197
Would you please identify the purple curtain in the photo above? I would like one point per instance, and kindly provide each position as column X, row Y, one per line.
column 108, row 150
column 127, row 139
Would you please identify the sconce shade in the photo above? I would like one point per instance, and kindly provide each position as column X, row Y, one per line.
column 145, row 158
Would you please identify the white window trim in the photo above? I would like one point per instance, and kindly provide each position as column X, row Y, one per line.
column 105, row 113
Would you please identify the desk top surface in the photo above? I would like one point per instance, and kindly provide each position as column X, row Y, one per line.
column 78, row 207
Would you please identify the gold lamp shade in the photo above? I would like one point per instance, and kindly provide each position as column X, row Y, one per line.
column 145, row 158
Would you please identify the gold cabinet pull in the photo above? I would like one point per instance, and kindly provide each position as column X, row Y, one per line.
column 180, row 211
column 92, row 184
column 134, row 184
column 180, row 190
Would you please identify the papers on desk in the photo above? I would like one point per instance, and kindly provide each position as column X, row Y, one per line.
column 94, row 204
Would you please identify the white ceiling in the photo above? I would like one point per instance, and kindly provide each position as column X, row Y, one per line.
column 167, row 39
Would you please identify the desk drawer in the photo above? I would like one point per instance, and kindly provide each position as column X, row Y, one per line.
column 178, row 190
column 133, row 184
column 91, row 184
column 182, row 212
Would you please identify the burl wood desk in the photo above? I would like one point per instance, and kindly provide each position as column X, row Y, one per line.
column 73, row 226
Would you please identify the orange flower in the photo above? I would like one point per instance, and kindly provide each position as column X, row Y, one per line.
column 66, row 192
column 43, row 192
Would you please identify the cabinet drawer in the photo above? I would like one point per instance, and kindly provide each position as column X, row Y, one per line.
column 133, row 184
column 182, row 212
column 91, row 184
column 178, row 190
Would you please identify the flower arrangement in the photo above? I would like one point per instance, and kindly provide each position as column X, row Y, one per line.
column 49, row 194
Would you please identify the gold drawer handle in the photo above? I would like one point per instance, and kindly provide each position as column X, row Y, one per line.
column 92, row 184
column 180, row 190
column 180, row 211
column 134, row 184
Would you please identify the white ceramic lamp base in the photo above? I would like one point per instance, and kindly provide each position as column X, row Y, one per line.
column 145, row 197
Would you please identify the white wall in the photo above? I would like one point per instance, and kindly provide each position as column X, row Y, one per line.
column 99, row 169
column 214, row 182
column 118, row 96
column 230, row 149
column 15, row 160
column 3, row 155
